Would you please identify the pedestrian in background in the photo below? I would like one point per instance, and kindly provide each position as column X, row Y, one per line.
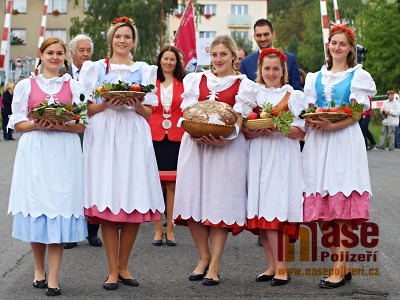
column 81, row 50
column 6, row 110
column 364, row 123
column 390, row 112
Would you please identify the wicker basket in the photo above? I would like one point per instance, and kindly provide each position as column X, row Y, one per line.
column 199, row 129
column 50, row 114
column 331, row 116
column 259, row 124
column 123, row 96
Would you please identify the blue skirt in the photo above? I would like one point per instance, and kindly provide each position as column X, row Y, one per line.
column 49, row 231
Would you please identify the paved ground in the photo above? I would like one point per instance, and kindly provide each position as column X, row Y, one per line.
column 163, row 271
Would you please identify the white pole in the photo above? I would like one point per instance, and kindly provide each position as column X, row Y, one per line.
column 5, row 43
column 336, row 8
column 324, row 24
column 42, row 30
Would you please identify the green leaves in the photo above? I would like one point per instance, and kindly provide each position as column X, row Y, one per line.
column 281, row 120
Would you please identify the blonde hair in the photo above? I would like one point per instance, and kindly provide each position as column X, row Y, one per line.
column 284, row 78
column 9, row 86
column 111, row 32
column 227, row 41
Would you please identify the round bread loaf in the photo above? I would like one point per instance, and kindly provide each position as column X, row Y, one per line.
column 203, row 110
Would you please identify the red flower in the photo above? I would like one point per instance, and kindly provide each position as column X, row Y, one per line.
column 343, row 28
column 122, row 20
column 268, row 51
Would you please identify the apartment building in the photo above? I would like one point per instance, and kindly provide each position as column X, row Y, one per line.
column 233, row 17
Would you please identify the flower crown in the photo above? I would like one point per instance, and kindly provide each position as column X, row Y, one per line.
column 122, row 20
column 343, row 28
column 270, row 51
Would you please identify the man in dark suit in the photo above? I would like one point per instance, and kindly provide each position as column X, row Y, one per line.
column 264, row 35
column 81, row 50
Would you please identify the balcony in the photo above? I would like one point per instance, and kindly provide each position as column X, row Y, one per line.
column 240, row 21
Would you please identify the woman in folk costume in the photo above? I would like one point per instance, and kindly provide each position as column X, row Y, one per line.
column 46, row 197
column 275, row 177
column 210, row 192
column 335, row 164
column 122, row 185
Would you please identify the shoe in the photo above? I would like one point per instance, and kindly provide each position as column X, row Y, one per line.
column 372, row 146
column 170, row 242
column 278, row 282
column 110, row 286
column 391, row 149
column 347, row 277
column 9, row 139
column 70, row 245
column 157, row 242
column 380, row 147
column 40, row 284
column 325, row 284
column 197, row 277
column 53, row 292
column 210, row 281
column 94, row 241
column 129, row 281
column 264, row 278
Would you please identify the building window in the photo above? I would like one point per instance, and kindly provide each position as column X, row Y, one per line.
column 57, row 5
column 60, row 33
column 210, row 9
column 239, row 9
column 179, row 10
column 19, row 6
column 242, row 35
column 18, row 37
column 86, row 5
column 207, row 34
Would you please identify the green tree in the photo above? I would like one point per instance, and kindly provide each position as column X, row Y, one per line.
column 378, row 30
column 146, row 14
column 242, row 42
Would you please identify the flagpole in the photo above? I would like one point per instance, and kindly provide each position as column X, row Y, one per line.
column 5, row 43
column 42, row 30
column 324, row 24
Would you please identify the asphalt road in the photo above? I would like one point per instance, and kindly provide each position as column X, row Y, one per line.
column 163, row 271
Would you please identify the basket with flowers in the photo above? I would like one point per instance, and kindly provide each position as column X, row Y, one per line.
column 334, row 113
column 122, row 90
column 60, row 112
column 269, row 118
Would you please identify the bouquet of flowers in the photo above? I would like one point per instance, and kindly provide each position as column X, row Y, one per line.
column 269, row 118
column 61, row 112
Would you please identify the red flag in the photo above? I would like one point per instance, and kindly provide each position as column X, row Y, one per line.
column 185, row 38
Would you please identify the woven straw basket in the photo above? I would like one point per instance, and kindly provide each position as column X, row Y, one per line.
column 123, row 96
column 331, row 116
column 50, row 114
column 199, row 129
column 259, row 124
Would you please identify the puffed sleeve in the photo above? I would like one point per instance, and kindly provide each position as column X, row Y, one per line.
column 191, row 84
column 149, row 76
column 88, row 77
column 246, row 99
column 309, row 88
column 362, row 86
column 297, row 103
column 19, row 104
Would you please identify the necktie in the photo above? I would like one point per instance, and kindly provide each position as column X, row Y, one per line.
column 77, row 74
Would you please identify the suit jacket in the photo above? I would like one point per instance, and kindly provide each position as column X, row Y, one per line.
column 248, row 67
column 155, row 121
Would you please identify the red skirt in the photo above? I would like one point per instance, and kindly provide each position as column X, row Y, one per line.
column 95, row 216
column 222, row 224
column 255, row 224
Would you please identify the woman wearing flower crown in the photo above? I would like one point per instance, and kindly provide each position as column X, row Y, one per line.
column 210, row 194
column 335, row 165
column 275, row 161
column 46, row 197
column 122, row 186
